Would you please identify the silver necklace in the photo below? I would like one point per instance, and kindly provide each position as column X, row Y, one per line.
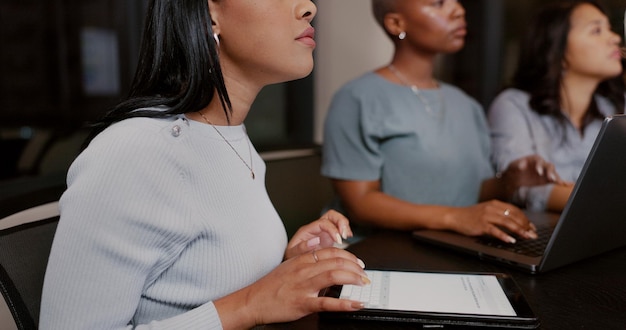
column 250, row 167
column 417, row 91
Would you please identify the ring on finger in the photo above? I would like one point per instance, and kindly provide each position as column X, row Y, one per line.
column 315, row 257
column 507, row 212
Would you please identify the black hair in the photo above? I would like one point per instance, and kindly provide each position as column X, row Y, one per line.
column 540, row 66
column 178, row 64
column 380, row 8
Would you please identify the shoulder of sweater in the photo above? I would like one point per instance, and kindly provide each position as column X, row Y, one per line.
column 513, row 93
column 139, row 139
column 138, row 127
column 509, row 96
column 142, row 132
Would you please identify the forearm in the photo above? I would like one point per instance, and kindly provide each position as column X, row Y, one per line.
column 559, row 197
column 234, row 311
column 382, row 210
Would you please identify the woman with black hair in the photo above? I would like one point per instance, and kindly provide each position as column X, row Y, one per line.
column 567, row 81
column 166, row 222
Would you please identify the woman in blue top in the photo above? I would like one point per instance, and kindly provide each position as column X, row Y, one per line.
column 567, row 81
column 406, row 151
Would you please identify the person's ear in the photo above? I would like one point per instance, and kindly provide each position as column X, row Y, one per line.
column 214, row 10
column 394, row 24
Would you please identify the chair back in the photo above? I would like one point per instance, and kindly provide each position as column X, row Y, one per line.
column 25, row 242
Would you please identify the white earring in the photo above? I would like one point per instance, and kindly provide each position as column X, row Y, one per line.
column 217, row 39
column 402, row 35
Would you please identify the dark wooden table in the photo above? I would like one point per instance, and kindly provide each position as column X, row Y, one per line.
column 590, row 294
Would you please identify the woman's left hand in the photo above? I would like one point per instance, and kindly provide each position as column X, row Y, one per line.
column 528, row 171
column 331, row 228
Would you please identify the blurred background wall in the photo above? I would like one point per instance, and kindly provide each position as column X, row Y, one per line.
column 63, row 63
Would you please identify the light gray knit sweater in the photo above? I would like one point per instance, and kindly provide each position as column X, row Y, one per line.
column 160, row 218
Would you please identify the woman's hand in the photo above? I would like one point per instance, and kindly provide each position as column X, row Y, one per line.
column 492, row 218
column 529, row 171
column 291, row 290
column 321, row 233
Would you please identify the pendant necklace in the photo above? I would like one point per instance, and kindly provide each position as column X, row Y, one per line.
column 250, row 167
column 417, row 91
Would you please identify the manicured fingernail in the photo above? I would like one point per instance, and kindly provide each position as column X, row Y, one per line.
column 344, row 233
column 338, row 238
column 531, row 234
column 358, row 305
column 313, row 242
column 512, row 240
column 361, row 263
column 552, row 177
column 539, row 170
column 366, row 281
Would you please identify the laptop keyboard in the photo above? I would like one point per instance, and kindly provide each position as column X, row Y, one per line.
column 528, row 247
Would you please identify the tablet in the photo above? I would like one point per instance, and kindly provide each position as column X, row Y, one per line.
column 438, row 299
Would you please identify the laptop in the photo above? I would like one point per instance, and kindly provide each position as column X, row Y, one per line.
column 592, row 222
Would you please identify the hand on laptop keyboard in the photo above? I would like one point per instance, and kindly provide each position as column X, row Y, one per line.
column 532, row 248
column 493, row 218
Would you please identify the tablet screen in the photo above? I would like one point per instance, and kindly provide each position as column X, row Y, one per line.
column 478, row 294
